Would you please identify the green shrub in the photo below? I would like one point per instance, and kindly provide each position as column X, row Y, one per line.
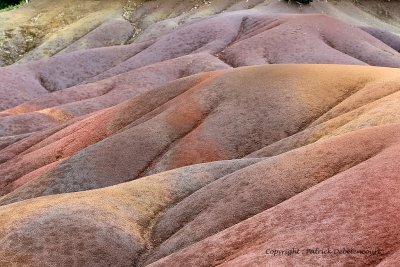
column 9, row 4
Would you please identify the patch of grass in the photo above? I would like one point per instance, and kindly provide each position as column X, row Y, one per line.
column 6, row 5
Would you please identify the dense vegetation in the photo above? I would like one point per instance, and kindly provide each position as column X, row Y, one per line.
column 7, row 4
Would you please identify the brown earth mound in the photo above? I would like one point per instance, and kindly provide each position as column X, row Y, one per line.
column 303, row 193
column 355, row 208
column 238, row 38
column 207, row 117
column 200, row 133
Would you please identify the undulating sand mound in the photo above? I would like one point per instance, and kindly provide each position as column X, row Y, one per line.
column 200, row 133
column 47, row 93
column 117, row 221
column 143, row 220
column 354, row 209
column 44, row 28
column 213, row 116
column 63, row 105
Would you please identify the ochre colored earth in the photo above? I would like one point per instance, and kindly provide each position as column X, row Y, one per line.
column 200, row 133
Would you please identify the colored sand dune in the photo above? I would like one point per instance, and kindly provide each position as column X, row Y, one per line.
column 200, row 133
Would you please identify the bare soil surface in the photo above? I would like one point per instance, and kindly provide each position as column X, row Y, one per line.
column 200, row 133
